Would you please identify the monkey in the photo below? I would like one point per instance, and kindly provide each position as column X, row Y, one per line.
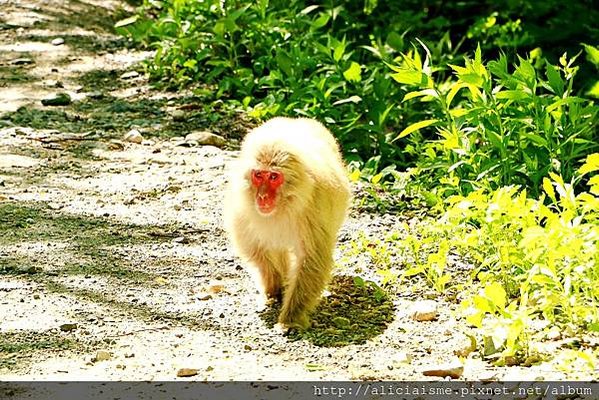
column 287, row 197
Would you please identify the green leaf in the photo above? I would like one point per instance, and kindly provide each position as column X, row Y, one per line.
column 472, row 78
column 414, row 127
column 190, row 64
column 512, row 95
column 592, row 54
column 594, row 90
column 555, row 79
column 420, row 93
column 127, row 21
column 410, row 77
column 591, row 164
column 536, row 139
column 339, row 51
column 548, row 188
column 525, row 71
column 353, row 73
column 455, row 88
column 285, row 62
column 395, row 41
column 352, row 99
column 358, row 281
column 341, row 322
column 478, row 55
column 494, row 138
column 496, row 293
column 321, row 21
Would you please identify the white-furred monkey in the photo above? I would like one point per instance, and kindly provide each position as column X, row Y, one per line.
column 287, row 198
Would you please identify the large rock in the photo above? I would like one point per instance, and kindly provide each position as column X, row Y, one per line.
column 59, row 99
column 134, row 136
column 205, row 138
column 425, row 310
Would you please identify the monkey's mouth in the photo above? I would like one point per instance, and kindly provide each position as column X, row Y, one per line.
column 266, row 209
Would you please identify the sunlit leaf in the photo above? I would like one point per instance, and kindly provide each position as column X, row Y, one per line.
column 496, row 293
column 453, row 91
column 352, row 99
column 512, row 95
column 411, row 77
column 420, row 93
column 309, row 9
column 377, row 178
column 590, row 164
column 353, row 73
column 594, row 90
column 339, row 51
column 127, row 21
column 592, row 53
column 548, row 188
column 416, row 126
column 321, row 21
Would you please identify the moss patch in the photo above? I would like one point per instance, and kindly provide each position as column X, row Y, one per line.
column 21, row 346
column 355, row 311
column 11, row 75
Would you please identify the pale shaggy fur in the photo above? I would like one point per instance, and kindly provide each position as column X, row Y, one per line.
column 292, row 248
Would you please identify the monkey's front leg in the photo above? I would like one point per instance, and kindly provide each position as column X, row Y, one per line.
column 303, row 290
column 272, row 267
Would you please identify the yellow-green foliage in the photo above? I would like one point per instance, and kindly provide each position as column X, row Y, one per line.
column 534, row 259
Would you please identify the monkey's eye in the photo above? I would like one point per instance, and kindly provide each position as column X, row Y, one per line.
column 257, row 177
column 276, row 178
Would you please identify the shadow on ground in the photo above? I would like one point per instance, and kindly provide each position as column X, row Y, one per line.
column 93, row 17
column 113, row 116
column 85, row 43
column 354, row 312
column 89, row 242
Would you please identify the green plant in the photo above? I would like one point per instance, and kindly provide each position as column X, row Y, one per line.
column 532, row 261
column 495, row 127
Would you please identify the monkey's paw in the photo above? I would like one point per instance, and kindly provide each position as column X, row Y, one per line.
column 297, row 324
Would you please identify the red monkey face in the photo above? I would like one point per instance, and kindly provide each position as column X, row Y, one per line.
column 267, row 184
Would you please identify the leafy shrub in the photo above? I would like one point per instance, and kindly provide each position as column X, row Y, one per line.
column 497, row 126
column 532, row 261
column 275, row 58
column 328, row 60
